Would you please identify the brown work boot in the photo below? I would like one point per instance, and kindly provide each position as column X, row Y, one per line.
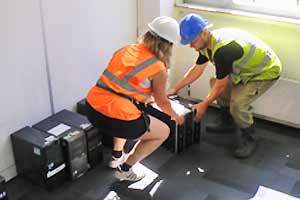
column 246, row 143
column 223, row 123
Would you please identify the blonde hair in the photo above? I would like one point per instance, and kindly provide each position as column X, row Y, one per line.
column 160, row 47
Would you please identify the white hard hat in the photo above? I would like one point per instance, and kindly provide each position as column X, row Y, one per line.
column 166, row 27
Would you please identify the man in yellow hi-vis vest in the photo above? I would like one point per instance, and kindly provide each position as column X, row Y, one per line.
column 245, row 68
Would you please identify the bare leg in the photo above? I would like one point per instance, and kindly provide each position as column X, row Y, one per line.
column 150, row 141
column 119, row 144
column 117, row 157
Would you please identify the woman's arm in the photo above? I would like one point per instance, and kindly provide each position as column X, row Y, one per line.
column 159, row 82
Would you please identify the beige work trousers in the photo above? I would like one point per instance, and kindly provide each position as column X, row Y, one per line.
column 239, row 98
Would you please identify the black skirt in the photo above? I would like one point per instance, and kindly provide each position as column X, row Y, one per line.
column 132, row 129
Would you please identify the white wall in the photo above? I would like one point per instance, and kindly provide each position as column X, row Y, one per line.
column 23, row 80
column 166, row 7
column 148, row 10
column 80, row 39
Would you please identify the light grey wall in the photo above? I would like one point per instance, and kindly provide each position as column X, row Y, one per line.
column 23, row 80
column 148, row 10
column 80, row 37
column 167, row 7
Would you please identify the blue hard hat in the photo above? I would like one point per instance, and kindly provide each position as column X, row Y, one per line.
column 190, row 26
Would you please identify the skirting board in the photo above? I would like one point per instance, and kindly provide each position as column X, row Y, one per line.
column 9, row 172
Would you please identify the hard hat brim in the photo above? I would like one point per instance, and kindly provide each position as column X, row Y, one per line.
column 185, row 41
column 162, row 36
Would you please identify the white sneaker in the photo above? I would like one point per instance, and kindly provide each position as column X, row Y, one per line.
column 128, row 175
column 115, row 162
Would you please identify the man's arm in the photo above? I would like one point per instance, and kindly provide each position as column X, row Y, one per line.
column 223, row 58
column 217, row 89
column 192, row 74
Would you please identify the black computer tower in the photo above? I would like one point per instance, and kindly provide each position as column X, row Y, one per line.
column 73, row 142
column 105, row 139
column 93, row 138
column 3, row 192
column 81, row 107
column 39, row 158
column 197, row 127
column 176, row 139
column 181, row 136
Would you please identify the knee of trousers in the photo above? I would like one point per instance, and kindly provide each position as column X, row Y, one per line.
column 242, row 117
column 235, row 109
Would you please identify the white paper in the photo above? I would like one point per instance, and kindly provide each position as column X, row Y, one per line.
column 147, row 180
column 264, row 193
column 59, row 129
column 112, row 195
column 179, row 108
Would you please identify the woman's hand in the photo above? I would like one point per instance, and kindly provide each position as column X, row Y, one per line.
column 179, row 119
column 149, row 100
column 171, row 91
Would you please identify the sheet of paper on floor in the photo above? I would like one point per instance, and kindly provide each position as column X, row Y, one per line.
column 264, row 193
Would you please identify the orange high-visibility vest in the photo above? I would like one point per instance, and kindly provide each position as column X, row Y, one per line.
column 128, row 73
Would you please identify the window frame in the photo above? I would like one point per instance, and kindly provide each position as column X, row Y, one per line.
column 252, row 10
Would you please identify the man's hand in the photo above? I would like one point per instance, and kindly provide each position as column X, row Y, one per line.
column 171, row 91
column 200, row 110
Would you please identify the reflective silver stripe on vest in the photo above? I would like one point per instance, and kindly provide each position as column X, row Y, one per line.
column 119, row 82
column 214, row 43
column 139, row 68
column 238, row 67
column 260, row 67
column 123, row 83
column 242, row 63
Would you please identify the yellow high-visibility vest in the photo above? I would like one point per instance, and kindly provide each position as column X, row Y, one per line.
column 258, row 62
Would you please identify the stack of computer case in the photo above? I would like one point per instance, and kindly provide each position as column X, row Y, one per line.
column 73, row 143
column 93, row 138
column 181, row 136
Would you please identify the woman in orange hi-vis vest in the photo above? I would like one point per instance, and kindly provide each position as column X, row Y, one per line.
column 115, row 104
